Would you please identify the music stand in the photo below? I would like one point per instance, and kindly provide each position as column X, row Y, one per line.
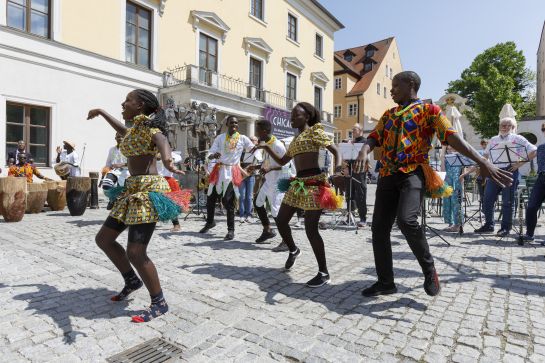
column 458, row 160
column 508, row 152
column 349, row 152
column 198, row 163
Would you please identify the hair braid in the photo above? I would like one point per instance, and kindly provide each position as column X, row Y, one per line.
column 153, row 108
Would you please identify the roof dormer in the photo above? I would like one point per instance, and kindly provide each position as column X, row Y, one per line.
column 348, row 55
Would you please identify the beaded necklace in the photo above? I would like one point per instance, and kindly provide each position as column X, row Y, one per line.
column 231, row 141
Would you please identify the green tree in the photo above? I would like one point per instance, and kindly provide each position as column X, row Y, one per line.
column 496, row 77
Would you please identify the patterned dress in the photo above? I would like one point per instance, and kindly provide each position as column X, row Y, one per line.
column 451, row 204
column 313, row 192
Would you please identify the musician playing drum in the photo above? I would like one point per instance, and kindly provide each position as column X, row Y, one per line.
column 67, row 155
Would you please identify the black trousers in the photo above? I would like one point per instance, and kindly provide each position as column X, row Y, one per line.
column 359, row 194
column 228, row 201
column 262, row 214
column 399, row 196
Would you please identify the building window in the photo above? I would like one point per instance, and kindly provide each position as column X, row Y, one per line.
column 338, row 83
column 385, row 92
column 369, row 53
column 353, row 109
column 138, row 35
column 378, row 89
column 291, row 86
column 257, row 8
column 319, row 46
column 337, row 137
column 256, row 76
column 387, row 71
column 31, row 16
column 30, row 124
column 337, row 111
column 368, row 67
column 318, row 98
column 292, row 27
column 208, row 56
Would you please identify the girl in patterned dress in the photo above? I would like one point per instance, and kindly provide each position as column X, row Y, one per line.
column 309, row 190
column 144, row 200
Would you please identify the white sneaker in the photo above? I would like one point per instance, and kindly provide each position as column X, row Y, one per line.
column 297, row 224
column 242, row 220
column 250, row 219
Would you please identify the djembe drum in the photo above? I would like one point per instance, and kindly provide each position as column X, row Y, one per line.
column 56, row 195
column 36, row 197
column 12, row 198
column 77, row 194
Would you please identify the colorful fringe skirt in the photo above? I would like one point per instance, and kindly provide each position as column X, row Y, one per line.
column 309, row 193
column 147, row 199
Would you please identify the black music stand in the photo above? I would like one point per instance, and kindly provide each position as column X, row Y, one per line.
column 458, row 160
column 509, row 153
column 349, row 153
column 196, row 209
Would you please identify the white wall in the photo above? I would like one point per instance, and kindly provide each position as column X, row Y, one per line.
column 63, row 79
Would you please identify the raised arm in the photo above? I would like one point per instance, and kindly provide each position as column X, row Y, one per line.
column 282, row 160
column 501, row 177
column 116, row 124
column 161, row 142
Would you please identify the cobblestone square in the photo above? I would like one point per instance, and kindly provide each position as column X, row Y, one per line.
column 232, row 301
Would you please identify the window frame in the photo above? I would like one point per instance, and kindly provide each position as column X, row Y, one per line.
column 321, row 96
column 321, row 37
column 385, row 91
column 28, row 18
column 379, row 88
column 296, row 32
column 352, row 109
column 340, row 82
column 288, row 75
column 340, row 113
column 140, row 7
column 27, row 126
column 262, row 17
column 367, row 67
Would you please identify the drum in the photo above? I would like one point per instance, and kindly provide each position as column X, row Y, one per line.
column 77, row 194
column 36, row 197
column 62, row 169
column 12, row 198
column 56, row 195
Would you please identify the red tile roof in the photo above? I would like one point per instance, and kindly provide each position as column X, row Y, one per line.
column 355, row 67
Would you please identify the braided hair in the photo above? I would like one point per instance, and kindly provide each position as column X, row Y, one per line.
column 311, row 111
column 153, row 109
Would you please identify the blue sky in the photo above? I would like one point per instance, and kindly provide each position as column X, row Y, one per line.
column 437, row 38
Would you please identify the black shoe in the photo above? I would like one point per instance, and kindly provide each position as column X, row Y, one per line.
column 485, row 229
column 292, row 256
column 502, row 233
column 229, row 236
column 378, row 288
column 207, row 227
column 431, row 283
column 265, row 236
column 319, row 280
column 527, row 238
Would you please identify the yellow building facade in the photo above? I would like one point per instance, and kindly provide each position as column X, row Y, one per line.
column 240, row 57
column 362, row 83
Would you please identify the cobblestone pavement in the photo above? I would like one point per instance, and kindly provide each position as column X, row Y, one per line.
column 231, row 301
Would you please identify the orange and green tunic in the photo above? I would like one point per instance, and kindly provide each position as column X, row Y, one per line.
column 406, row 135
column 27, row 170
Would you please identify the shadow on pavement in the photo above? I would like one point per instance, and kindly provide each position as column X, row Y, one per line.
column 536, row 258
column 220, row 244
column 83, row 223
column 344, row 298
column 60, row 306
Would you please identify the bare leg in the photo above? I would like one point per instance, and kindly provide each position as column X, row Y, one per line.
column 106, row 240
column 145, row 267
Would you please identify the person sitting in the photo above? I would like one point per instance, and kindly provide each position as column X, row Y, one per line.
column 23, row 169
column 21, row 149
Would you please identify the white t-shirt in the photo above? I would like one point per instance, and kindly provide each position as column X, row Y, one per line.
column 72, row 158
column 495, row 150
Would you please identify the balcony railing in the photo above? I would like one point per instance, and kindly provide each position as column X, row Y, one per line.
column 191, row 74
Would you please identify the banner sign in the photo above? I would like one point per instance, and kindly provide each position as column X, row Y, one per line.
column 280, row 120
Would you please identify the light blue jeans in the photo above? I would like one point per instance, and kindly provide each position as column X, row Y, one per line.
column 245, row 202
